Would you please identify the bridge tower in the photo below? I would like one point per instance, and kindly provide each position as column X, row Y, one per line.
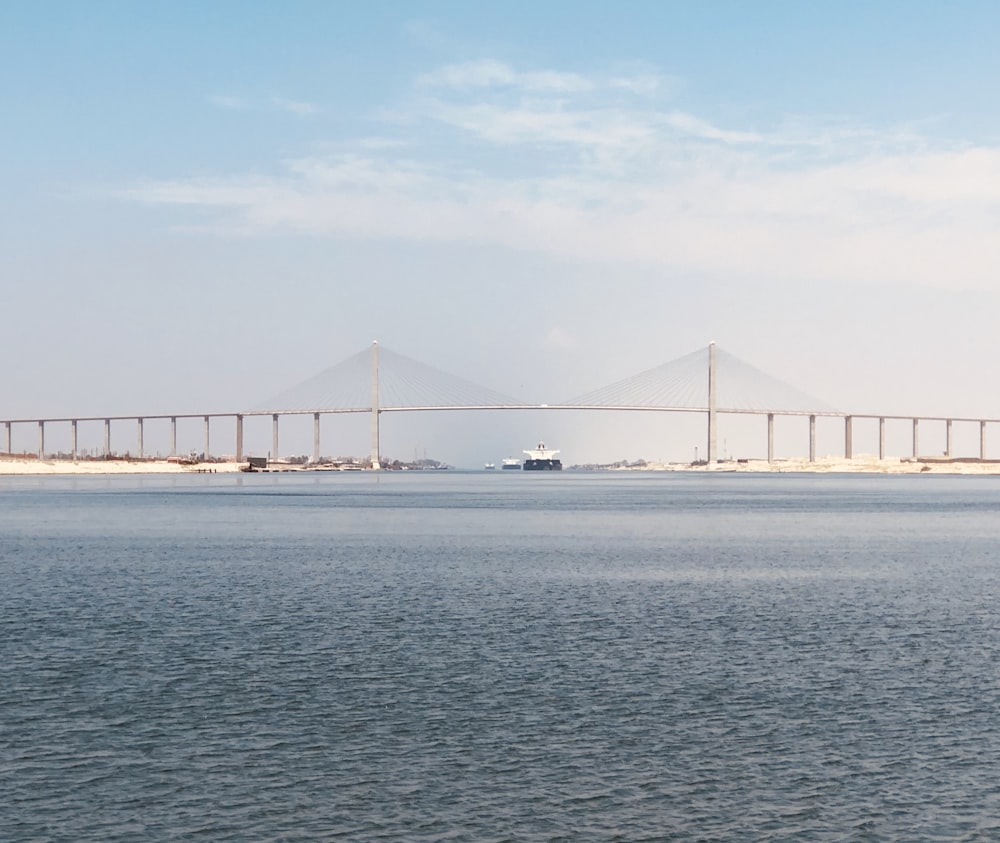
column 712, row 420
column 375, row 410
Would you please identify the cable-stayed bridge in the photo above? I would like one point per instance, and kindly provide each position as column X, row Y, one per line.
column 377, row 380
column 394, row 382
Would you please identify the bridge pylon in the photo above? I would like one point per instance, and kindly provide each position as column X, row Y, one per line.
column 713, row 428
column 375, row 407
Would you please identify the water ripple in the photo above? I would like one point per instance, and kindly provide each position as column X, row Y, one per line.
column 611, row 673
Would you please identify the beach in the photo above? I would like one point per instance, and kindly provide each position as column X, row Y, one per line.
column 16, row 465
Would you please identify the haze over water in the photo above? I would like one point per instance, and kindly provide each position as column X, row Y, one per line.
column 490, row 656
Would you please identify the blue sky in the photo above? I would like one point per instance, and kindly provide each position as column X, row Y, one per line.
column 206, row 203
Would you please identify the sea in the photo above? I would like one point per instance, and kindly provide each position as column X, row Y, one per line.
column 499, row 656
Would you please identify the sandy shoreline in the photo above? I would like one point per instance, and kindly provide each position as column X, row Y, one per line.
column 862, row 464
column 865, row 464
column 12, row 466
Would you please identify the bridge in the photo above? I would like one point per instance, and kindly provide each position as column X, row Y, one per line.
column 376, row 381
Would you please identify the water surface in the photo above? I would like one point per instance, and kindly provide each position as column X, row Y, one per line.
column 487, row 657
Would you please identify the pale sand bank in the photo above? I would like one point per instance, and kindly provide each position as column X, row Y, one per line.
column 825, row 465
column 22, row 466
column 862, row 464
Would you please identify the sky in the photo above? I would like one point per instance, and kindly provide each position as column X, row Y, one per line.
column 204, row 204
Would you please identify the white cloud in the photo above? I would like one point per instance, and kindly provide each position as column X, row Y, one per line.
column 643, row 83
column 629, row 182
column 489, row 73
column 688, row 124
column 478, row 74
column 534, row 123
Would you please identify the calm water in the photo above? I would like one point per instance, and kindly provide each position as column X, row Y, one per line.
column 497, row 657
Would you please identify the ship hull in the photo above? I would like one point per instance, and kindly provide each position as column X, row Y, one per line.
column 542, row 465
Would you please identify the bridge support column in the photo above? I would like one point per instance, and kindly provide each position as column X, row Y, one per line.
column 239, row 438
column 713, row 430
column 205, row 455
column 139, row 443
column 375, row 409
column 6, row 436
column 274, row 436
column 41, row 440
column 315, row 437
column 107, row 437
column 812, row 438
column 982, row 439
column 947, row 438
column 770, row 437
column 72, row 438
column 848, row 437
column 916, row 438
column 173, row 436
column 881, row 438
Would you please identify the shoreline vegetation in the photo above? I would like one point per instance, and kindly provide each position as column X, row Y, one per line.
column 26, row 464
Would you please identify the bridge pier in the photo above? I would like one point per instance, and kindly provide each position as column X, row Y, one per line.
column 139, row 442
column 315, row 437
column 770, row 437
column 41, row 440
column 6, row 433
column 947, row 438
column 274, row 436
column 848, row 437
column 916, row 438
column 239, row 438
column 881, row 438
column 173, row 436
column 982, row 439
column 107, row 437
column 206, row 437
column 72, row 438
column 812, row 438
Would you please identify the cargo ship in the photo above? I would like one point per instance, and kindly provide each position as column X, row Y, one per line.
column 511, row 464
column 542, row 459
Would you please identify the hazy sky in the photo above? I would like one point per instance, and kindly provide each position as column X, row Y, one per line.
column 205, row 203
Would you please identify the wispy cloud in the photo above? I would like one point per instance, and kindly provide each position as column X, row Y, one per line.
column 588, row 168
column 466, row 77
column 297, row 107
column 229, row 102
column 536, row 124
column 495, row 74
column 643, row 83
